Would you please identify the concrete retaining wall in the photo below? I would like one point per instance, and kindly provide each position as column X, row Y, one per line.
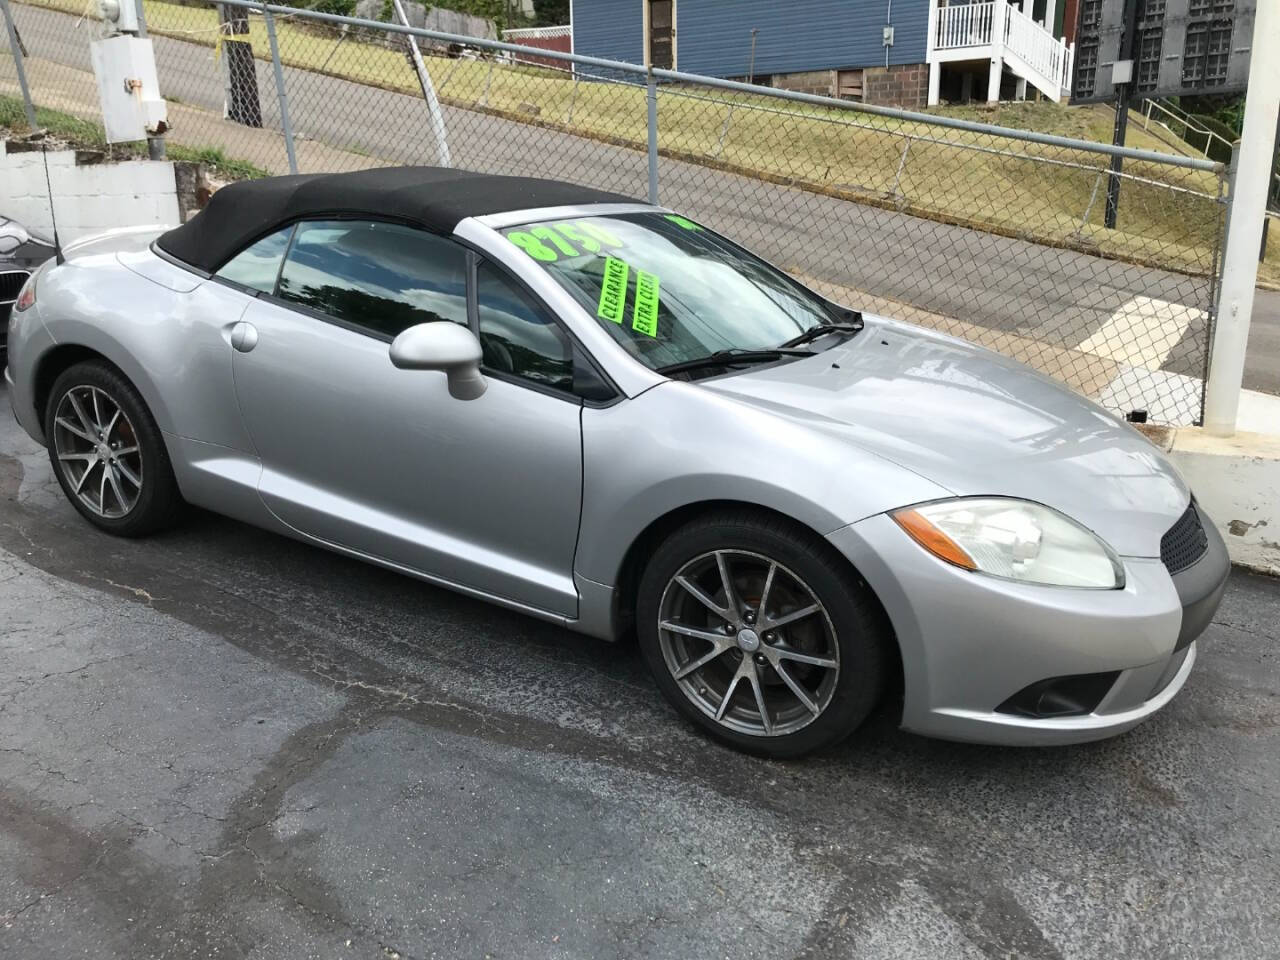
column 88, row 194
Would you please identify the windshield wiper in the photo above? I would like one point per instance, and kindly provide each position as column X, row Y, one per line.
column 724, row 358
column 822, row 329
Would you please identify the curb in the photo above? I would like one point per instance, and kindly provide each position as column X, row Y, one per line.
column 1237, row 481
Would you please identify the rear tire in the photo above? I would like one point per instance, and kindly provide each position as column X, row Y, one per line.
column 107, row 452
column 818, row 661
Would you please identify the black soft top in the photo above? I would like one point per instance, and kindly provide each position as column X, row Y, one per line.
column 436, row 198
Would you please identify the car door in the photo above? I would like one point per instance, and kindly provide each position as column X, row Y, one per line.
column 482, row 493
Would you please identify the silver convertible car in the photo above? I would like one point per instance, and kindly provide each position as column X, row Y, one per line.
column 604, row 414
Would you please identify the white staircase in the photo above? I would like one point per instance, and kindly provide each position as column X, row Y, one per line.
column 1002, row 34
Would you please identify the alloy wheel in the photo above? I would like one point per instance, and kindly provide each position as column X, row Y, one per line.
column 748, row 642
column 98, row 451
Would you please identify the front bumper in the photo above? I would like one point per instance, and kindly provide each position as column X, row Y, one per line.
column 970, row 642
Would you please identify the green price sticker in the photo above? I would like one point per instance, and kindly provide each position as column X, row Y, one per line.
column 613, row 290
column 683, row 222
column 550, row 242
column 644, row 315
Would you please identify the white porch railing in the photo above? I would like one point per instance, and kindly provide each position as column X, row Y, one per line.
column 1038, row 48
column 964, row 25
column 1043, row 59
column 536, row 33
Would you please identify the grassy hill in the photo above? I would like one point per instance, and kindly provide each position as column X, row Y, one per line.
column 1169, row 217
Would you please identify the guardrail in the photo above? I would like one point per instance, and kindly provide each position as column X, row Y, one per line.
column 1183, row 119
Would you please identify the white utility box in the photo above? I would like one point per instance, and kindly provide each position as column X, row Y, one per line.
column 127, row 88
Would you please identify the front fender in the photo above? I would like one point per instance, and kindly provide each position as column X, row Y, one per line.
column 679, row 444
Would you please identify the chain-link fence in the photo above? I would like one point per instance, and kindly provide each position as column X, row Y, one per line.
column 993, row 235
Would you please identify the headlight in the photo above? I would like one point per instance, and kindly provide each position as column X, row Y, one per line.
column 1013, row 539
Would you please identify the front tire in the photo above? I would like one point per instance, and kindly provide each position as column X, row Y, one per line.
column 107, row 452
column 758, row 632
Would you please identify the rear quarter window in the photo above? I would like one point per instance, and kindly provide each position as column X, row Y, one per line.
column 257, row 265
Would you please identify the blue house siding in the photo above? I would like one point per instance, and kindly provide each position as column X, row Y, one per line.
column 611, row 29
column 713, row 37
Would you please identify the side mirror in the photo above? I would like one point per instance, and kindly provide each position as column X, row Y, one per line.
column 445, row 346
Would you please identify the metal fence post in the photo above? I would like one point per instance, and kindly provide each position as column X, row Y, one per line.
column 434, row 112
column 155, row 142
column 285, row 125
column 897, row 176
column 653, row 137
column 16, row 49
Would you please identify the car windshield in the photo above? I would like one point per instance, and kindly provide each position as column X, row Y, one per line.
column 667, row 289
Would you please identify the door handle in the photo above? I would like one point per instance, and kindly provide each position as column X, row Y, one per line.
column 244, row 336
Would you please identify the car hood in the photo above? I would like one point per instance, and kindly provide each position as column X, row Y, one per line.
column 977, row 423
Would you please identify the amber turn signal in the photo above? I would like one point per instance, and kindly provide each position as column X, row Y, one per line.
column 932, row 539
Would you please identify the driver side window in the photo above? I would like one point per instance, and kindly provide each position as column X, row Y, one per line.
column 518, row 336
column 380, row 278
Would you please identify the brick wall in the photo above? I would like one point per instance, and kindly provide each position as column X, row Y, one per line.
column 819, row 82
column 902, row 85
column 87, row 197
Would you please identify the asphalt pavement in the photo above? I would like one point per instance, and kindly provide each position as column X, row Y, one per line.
column 1262, row 359
column 220, row 743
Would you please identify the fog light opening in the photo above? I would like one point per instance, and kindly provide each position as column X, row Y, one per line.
column 1073, row 696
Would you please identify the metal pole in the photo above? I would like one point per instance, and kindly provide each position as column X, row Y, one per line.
column 1248, row 209
column 155, row 142
column 1266, row 221
column 653, row 137
column 751, row 64
column 16, row 49
column 244, row 104
column 573, row 97
column 1122, row 114
column 434, row 116
column 285, row 125
column 897, row 177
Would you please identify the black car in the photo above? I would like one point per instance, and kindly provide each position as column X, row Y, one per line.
column 21, row 251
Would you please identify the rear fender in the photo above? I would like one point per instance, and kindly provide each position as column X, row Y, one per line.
column 173, row 346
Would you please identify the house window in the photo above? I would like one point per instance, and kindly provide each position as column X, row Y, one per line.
column 1147, row 67
column 1087, row 67
column 1211, row 8
column 1207, row 51
column 1148, row 45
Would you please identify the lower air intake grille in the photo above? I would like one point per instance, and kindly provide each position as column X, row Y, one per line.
column 1184, row 543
